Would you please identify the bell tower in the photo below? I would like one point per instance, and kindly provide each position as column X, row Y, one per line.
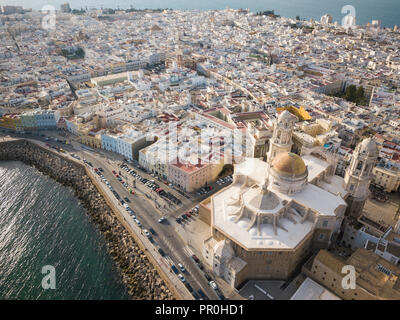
column 358, row 176
column 281, row 140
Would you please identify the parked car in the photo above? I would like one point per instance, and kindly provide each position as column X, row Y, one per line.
column 196, row 296
column 181, row 277
column 161, row 220
column 181, row 267
column 187, row 284
column 146, row 233
column 208, row 277
column 213, row 285
column 194, row 257
column 161, row 251
column 202, row 294
column 138, row 222
column 174, row 269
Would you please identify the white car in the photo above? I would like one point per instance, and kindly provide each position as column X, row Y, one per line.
column 181, row 277
column 181, row 267
column 146, row 233
column 213, row 285
column 138, row 222
column 161, row 220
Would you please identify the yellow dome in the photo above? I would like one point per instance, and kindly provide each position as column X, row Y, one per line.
column 289, row 164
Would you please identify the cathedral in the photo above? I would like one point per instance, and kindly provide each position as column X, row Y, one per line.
column 276, row 213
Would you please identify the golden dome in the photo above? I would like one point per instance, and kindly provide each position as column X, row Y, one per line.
column 289, row 164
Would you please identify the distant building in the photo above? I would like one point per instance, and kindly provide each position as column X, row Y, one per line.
column 65, row 8
column 326, row 19
column 11, row 9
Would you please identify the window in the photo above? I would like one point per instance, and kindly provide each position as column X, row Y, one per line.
column 359, row 165
column 325, row 223
column 321, row 236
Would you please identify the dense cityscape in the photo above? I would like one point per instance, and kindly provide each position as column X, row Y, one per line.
column 243, row 156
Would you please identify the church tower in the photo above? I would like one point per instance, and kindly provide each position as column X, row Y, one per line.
column 358, row 176
column 281, row 140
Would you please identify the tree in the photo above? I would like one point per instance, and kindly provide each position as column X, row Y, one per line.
column 360, row 93
column 350, row 93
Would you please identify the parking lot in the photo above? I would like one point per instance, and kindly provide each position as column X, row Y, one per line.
column 267, row 290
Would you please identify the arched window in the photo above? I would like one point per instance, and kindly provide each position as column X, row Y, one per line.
column 359, row 165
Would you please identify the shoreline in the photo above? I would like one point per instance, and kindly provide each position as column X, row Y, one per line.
column 138, row 274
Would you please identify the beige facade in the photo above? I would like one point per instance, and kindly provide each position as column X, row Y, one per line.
column 376, row 278
column 387, row 179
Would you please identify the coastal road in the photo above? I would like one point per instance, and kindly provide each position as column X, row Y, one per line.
column 167, row 238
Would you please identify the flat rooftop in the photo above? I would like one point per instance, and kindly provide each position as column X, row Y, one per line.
column 310, row 290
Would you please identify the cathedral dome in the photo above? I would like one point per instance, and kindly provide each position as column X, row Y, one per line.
column 288, row 164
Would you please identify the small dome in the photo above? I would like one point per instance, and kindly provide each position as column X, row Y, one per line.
column 289, row 164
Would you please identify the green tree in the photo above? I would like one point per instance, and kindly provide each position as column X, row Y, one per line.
column 360, row 93
column 350, row 93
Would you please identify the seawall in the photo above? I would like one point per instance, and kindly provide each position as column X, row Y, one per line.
column 138, row 274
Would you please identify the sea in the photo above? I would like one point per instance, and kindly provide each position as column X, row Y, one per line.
column 49, row 248
column 387, row 11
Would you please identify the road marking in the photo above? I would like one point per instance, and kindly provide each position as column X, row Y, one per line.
column 188, row 251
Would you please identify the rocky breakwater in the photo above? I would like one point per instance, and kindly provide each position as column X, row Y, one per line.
column 138, row 274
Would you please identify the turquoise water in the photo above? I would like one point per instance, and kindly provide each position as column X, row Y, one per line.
column 366, row 10
column 41, row 223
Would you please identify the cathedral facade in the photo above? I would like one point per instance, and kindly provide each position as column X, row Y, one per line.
column 276, row 213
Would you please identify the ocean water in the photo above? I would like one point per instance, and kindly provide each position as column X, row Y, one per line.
column 365, row 10
column 41, row 223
